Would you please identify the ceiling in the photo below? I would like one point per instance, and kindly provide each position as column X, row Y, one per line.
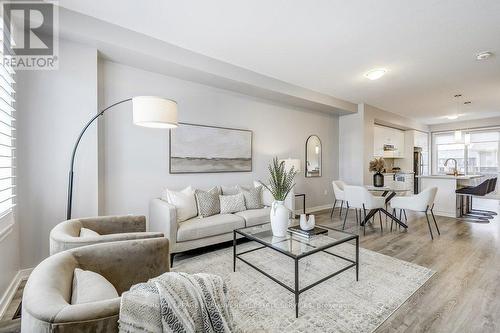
column 427, row 46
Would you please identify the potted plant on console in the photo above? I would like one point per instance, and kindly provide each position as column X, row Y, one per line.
column 377, row 165
column 280, row 184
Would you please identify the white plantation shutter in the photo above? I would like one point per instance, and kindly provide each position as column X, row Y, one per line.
column 7, row 139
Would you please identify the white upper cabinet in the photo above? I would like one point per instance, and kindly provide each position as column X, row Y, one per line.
column 421, row 140
column 392, row 139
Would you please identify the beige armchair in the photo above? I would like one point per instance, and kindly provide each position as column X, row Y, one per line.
column 47, row 294
column 66, row 235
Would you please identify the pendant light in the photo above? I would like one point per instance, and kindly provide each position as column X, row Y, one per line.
column 458, row 133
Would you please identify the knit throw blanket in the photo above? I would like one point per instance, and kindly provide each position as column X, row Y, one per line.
column 177, row 302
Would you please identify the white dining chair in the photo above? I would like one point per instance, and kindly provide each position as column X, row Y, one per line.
column 338, row 192
column 360, row 198
column 422, row 202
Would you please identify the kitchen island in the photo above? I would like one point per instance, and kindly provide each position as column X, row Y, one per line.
column 446, row 202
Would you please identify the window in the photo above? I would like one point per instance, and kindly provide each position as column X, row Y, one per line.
column 7, row 140
column 475, row 151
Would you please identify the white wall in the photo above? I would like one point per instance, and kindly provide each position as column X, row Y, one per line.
column 351, row 147
column 135, row 160
column 9, row 253
column 52, row 108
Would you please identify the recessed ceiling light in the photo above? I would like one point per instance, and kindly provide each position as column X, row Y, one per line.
column 484, row 55
column 452, row 117
column 375, row 74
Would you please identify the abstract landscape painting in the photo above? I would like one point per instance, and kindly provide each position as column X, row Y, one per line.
column 204, row 149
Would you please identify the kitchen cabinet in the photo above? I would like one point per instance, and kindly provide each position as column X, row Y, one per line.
column 421, row 140
column 387, row 136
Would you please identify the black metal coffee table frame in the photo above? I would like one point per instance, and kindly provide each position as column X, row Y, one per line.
column 296, row 291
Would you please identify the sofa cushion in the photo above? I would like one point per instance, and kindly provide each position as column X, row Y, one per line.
column 89, row 286
column 209, row 226
column 255, row 216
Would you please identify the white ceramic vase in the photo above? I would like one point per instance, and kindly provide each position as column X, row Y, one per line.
column 279, row 218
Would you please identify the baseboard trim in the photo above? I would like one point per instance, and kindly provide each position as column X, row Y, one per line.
column 7, row 297
column 310, row 210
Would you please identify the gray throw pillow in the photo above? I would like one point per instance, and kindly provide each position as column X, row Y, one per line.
column 253, row 197
column 232, row 203
column 208, row 202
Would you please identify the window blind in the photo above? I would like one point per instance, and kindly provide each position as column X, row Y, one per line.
column 7, row 139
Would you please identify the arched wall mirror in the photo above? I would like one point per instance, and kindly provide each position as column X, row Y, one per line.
column 313, row 156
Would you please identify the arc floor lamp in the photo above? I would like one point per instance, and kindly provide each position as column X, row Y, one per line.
column 148, row 111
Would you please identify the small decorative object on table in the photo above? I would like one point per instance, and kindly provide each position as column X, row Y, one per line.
column 280, row 184
column 306, row 224
column 297, row 230
column 377, row 165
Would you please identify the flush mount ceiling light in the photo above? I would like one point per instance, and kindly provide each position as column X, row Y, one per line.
column 484, row 55
column 375, row 74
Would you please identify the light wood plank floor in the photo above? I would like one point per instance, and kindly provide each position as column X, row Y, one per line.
column 464, row 294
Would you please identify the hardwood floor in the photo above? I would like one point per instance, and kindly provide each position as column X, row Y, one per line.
column 464, row 294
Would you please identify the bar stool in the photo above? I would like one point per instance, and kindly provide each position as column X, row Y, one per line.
column 491, row 188
column 467, row 193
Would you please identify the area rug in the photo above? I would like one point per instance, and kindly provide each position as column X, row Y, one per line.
column 340, row 304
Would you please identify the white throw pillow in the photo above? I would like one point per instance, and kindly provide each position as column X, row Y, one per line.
column 232, row 203
column 184, row 202
column 89, row 286
column 84, row 232
column 267, row 197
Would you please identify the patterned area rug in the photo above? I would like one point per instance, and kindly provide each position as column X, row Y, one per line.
column 339, row 304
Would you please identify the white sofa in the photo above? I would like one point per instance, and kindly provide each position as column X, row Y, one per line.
column 199, row 232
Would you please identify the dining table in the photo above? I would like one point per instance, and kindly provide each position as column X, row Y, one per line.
column 388, row 192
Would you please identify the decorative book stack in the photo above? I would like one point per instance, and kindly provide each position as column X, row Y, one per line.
column 296, row 230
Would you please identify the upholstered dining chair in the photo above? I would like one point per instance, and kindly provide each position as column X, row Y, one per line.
column 422, row 202
column 68, row 234
column 48, row 305
column 338, row 192
column 359, row 198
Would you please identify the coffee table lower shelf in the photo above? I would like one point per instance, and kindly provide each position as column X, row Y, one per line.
column 296, row 291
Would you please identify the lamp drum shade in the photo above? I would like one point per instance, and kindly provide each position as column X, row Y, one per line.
column 152, row 111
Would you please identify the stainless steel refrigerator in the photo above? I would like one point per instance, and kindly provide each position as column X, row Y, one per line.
column 418, row 167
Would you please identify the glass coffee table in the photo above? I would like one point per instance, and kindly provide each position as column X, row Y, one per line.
column 296, row 247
